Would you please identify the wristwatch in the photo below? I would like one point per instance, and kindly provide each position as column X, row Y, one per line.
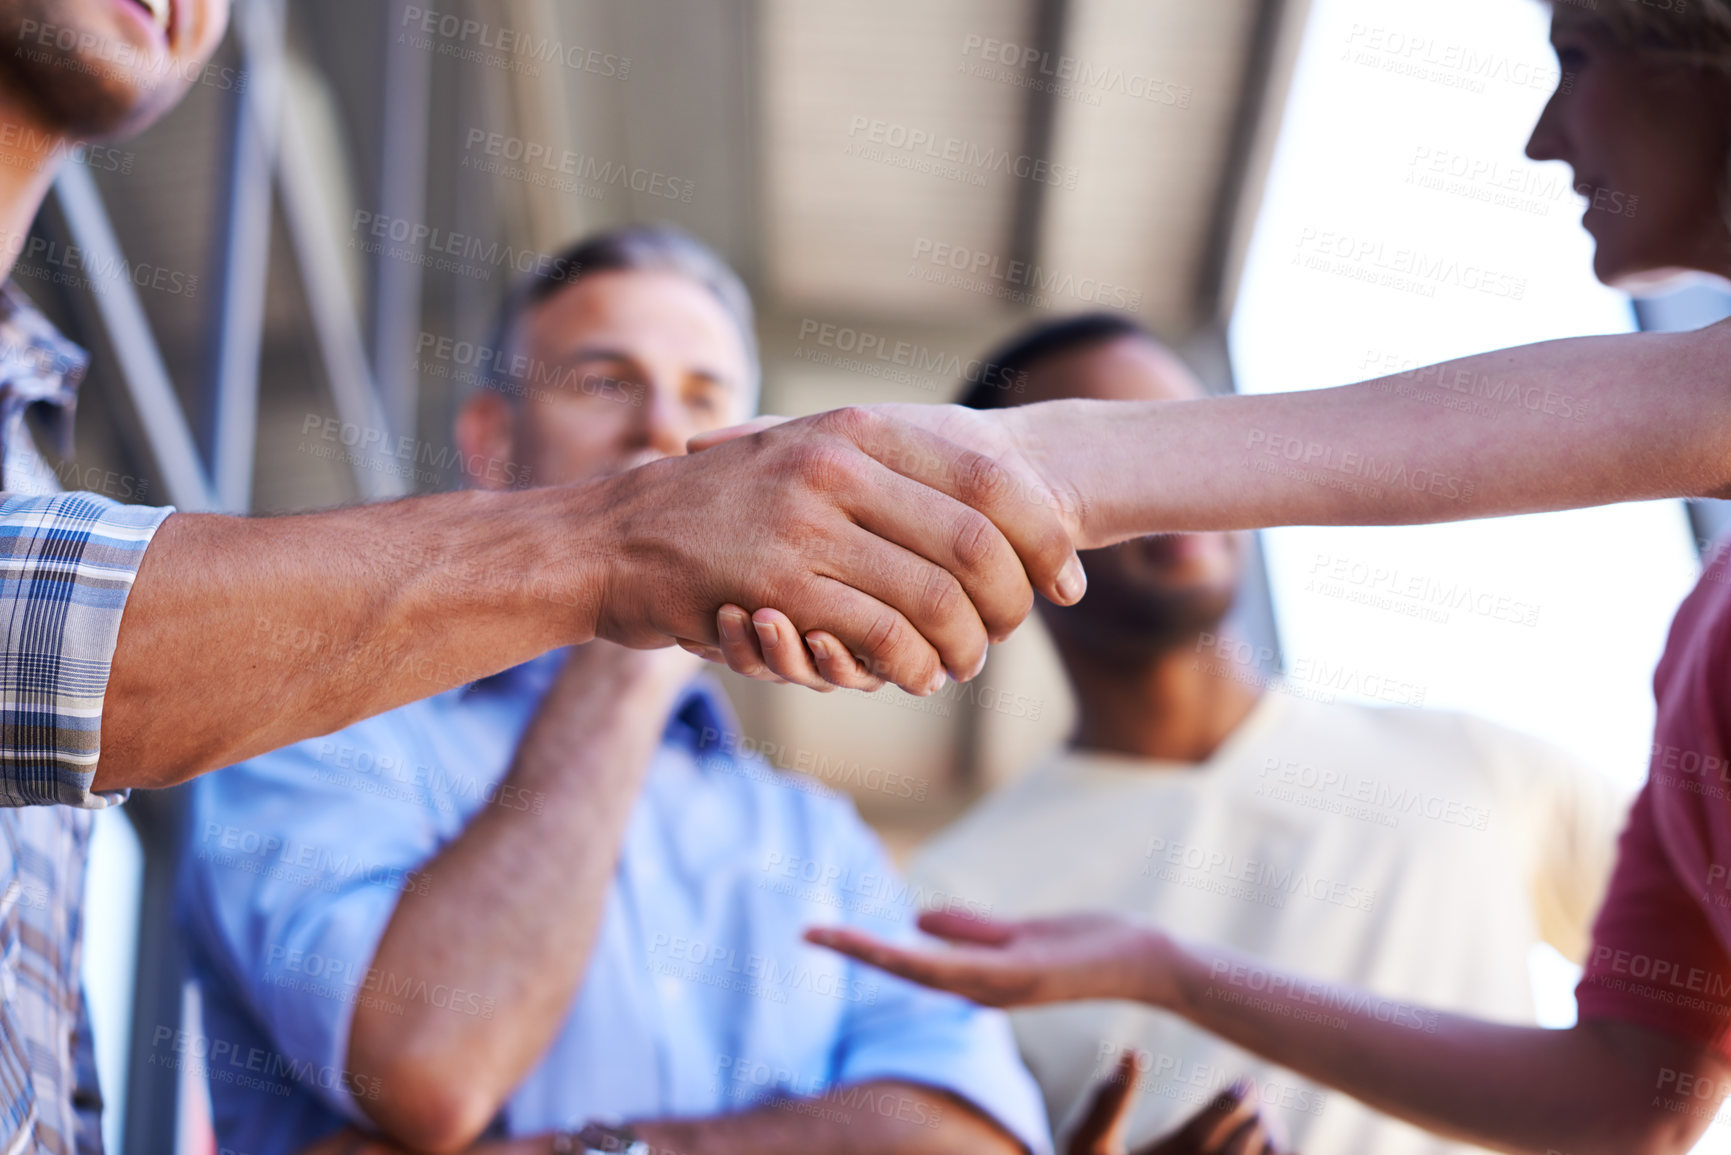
column 599, row 1139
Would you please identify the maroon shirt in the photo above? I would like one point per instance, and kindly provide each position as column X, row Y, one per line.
column 1661, row 954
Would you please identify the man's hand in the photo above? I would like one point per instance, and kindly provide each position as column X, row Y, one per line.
column 911, row 551
column 769, row 645
column 1016, row 964
column 1229, row 1125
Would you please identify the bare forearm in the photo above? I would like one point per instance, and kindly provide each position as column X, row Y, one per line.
column 1556, row 425
column 241, row 635
column 876, row 1118
column 1589, row 1089
column 512, row 908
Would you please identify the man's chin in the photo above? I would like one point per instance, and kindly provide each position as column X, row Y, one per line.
column 96, row 102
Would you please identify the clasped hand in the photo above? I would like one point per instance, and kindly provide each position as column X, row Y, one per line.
column 853, row 548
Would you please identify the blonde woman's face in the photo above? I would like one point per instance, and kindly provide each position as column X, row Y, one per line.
column 1648, row 141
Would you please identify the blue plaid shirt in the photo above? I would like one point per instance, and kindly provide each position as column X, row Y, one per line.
column 67, row 561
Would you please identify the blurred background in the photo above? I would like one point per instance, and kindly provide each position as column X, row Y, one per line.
column 289, row 283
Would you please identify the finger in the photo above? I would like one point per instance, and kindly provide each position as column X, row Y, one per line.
column 716, row 436
column 703, row 650
column 1015, row 501
column 1251, row 1138
column 779, row 657
column 838, row 666
column 739, row 646
column 1209, row 1128
column 784, row 651
column 955, row 926
column 909, row 549
column 874, row 630
column 1101, row 1131
column 925, row 968
column 961, row 541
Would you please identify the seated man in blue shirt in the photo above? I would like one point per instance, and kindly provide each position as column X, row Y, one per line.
column 560, row 897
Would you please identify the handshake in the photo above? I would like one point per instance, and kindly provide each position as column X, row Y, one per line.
column 852, row 548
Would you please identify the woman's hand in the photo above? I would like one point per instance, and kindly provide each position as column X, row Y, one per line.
column 767, row 646
column 1016, row 964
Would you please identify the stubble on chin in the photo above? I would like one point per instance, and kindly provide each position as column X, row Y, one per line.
column 88, row 91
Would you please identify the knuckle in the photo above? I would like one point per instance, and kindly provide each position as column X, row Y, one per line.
column 977, row 542
column 982, row 482
column 942, row 597
column 883, row 640
column 825, row 466
column 850, row 421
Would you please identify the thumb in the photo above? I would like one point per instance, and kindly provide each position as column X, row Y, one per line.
column 1101, row 1131
column 715, row 437
column 954, row 926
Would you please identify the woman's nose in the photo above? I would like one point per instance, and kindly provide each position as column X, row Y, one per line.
column 1547, row 142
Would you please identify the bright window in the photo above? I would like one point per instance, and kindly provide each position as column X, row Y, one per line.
column 1403, row 225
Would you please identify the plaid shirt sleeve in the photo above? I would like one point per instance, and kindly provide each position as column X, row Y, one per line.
column 67, row 561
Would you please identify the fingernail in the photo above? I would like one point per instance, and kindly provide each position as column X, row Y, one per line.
column 937, row 683
column 733, row 626
column 767, row 635
column 1072, row 581
column 819, row 647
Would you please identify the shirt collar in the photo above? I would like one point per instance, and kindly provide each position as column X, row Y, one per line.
column 38, row 366
column 702, row 719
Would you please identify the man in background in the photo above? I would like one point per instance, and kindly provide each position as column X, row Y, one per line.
column 1419, row 853
column 558, row 905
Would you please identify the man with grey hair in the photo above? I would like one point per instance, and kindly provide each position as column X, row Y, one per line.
column 562, row 906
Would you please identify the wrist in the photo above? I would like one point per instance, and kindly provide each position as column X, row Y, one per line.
column 1047, row 437
column 552, row 561
column 1160, row 970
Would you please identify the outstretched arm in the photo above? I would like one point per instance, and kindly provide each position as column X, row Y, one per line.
column 242, row 635
column 1600, row 1087
column 1557, row 425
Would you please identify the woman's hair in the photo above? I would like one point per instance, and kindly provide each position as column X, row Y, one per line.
column 1692, row 31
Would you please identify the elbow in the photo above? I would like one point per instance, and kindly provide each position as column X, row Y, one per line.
column 1664, row 1140
column 422, row 1105
column 1649, row 1136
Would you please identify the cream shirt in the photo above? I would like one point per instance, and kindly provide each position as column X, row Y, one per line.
column 1419, row 854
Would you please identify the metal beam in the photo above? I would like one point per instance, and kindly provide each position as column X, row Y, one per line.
column 405, row 105
column 140, row 361
column 159, row 974
column 231, row 422
column 331, row 306
column 1276, row 30
column 1039, row 125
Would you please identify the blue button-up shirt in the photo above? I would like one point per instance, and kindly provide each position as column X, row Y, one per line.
column 700, row 996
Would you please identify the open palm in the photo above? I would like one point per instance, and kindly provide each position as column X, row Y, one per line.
column 1013, row 964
